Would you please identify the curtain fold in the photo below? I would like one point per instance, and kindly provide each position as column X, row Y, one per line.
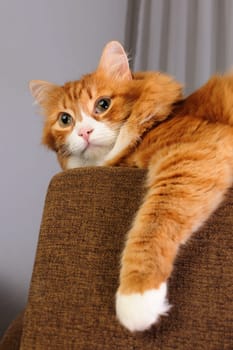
column 190, row 39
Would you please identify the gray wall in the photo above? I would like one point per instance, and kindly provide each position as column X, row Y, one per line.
column 55, row 40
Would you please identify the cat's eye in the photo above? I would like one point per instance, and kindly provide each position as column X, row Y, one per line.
column 102, row 104
column 65, row 120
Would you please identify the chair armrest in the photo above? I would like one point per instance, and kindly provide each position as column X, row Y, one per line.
column 12, row 337
column 71, row 300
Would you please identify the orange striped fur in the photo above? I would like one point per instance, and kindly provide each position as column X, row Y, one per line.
column 186, row 144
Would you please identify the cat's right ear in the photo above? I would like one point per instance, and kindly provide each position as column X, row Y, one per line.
column 40, row 89
column 114, row 61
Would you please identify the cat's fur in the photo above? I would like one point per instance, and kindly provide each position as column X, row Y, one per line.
column 185, row 144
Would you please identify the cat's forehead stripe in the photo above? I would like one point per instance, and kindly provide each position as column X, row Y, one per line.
column 89, row 93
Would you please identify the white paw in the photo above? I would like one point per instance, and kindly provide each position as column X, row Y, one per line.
column 137, row 312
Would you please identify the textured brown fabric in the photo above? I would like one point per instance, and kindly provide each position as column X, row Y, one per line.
column 12, row 337
column 75, row 277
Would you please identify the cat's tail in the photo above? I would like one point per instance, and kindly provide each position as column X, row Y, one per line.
column 213, row 101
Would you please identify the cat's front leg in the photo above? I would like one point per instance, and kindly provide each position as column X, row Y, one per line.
column 176, row 205
column 142, row 295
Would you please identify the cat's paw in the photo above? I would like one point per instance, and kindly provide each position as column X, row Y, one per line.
column 138, row 312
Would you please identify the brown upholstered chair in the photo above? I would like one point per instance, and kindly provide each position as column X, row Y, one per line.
column 71, row 298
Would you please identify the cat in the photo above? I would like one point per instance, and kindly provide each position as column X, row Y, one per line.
column 116, row 117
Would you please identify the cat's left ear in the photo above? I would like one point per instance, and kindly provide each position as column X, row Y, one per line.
column 114, row 61
column 40, row 89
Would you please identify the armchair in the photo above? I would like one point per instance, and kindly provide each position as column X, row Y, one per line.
column 72, row 293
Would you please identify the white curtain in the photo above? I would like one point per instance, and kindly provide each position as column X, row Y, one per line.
column 190, row 39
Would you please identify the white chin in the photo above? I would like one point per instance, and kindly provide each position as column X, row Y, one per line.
column 92, row 156
column 94, row 153
column 138, row 312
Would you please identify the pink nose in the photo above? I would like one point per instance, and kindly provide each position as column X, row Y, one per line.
column 85, row 132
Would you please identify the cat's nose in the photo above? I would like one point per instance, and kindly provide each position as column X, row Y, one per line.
column 85, row 132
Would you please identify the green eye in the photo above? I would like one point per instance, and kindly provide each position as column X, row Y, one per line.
column 102, row 104
column 65, row 120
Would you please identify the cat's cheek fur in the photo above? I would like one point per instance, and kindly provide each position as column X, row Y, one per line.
column 123, row 141
column 139, row 311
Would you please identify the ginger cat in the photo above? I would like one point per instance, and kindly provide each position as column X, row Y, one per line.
column 119, row 118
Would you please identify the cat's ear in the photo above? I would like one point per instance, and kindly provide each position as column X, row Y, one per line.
column 114, row 61
column 40, row 89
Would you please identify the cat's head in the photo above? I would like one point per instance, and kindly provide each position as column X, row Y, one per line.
column 83, row 118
